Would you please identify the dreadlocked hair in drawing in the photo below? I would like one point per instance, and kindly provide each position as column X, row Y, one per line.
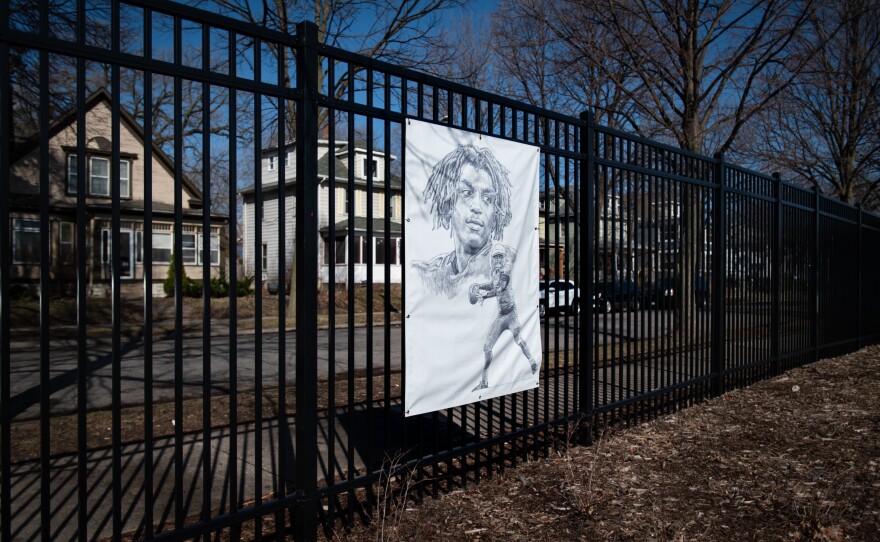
column 441, row 189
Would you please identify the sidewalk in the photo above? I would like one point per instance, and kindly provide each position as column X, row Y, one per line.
column 360, row 434
column 192, row 329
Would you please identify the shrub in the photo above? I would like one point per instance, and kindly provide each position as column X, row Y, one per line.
column 245, row 286
column 168, row 285
column 193, row 287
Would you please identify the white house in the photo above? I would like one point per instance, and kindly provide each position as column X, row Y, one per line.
column 347, row 236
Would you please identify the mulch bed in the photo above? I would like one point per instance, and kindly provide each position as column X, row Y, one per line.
column 791, row 458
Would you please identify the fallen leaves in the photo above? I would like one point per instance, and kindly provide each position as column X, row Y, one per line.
column 776, row 461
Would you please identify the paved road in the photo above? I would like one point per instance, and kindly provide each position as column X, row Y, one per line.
column 63, row 374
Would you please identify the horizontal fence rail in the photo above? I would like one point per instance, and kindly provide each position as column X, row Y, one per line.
column 202, row 316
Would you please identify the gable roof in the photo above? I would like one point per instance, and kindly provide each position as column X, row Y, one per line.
column 69, row 118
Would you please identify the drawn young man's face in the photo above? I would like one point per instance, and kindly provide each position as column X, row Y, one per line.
column 473, row 217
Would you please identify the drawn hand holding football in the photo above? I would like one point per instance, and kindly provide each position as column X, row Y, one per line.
column 474, row 294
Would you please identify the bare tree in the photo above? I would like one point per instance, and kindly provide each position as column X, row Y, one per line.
column 400, row 31
column 539, row 66
column 702, row 70
column 823, row 129
column 403, row 32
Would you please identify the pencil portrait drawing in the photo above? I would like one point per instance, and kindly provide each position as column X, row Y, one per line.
column 469, row 195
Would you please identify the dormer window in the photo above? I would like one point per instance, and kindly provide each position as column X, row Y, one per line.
column 98, row 175
column 370, row 167
column 272, row 163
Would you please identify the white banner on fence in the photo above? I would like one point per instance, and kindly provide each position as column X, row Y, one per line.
column 471, row 245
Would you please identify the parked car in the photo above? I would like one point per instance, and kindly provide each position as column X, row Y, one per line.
column 616, row 295
column 559, row 294
column 666, row 293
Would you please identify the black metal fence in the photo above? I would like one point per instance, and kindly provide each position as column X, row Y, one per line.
column 271, row 408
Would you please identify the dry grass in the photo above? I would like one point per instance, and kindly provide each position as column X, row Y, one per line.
column 791, row 458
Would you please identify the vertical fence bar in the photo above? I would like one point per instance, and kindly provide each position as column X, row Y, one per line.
column 718, row 275
column 82, row 357
column 5, row 261
column 177, row 258
column 330, row 252
column 859, row 263
column 259, row 269
column 283, row 450
column 369, row 260
column 232, row 231
column 147, row 259
column 45, row 240
column 390, row 253
column 207, row 475
column 585, row 271
column 116, row 273
column 305, row 516
column 776, row 263
column 814, row 276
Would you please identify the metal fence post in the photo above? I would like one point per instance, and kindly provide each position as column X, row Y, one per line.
column 814, row 279
column 776, row 273
column 5, row 263
column 859, row 275
column 718, row 276
column 585, row 376
column 305, row 516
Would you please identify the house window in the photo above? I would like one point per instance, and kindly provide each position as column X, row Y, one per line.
column 65, row 242
column 138, row 247
column 98, row 174
column 359, row 249
column 381, row 250
column 26, row 241
column 370, row 167
column 162, row 246
column 265, row 259
column 71, row 174
column 126, row 256
column 105, row 246
column 215, row 249
column 340, row 250
column 188, row 242
column 271, row 165
column 387, row 252
column 124, row 179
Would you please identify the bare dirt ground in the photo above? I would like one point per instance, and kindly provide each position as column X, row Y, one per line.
column 791, row 458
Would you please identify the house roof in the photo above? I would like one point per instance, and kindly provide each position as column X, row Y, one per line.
column 31, row 202
column 69, row 118
column 341, row 173
column 360, row 226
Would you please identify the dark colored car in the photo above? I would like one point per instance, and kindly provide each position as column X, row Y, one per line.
column 616, row 295
column 666, row 293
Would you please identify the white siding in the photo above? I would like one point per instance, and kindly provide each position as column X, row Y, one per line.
column 270, row 211
column 270, row 237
